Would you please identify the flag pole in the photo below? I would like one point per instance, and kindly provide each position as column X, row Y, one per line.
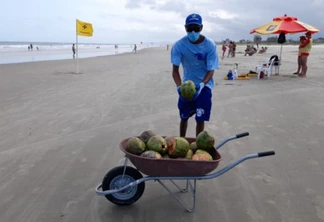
column 77, row 53
column 77, row 49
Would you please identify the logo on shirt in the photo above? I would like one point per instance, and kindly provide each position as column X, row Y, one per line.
column 200, row 112
column 200, row 56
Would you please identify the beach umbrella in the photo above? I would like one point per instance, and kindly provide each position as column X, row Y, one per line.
column 284, row 25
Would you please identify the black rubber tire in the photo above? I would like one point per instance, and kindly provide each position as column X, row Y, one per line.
column 130, row 172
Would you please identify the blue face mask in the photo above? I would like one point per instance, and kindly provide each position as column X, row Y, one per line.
column 193, row 36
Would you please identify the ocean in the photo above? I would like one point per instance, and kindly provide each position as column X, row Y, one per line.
column 18, row 52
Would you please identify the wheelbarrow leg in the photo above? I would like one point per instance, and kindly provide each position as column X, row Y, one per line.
column 185, row 190
column 125, row 166
column 192, row 189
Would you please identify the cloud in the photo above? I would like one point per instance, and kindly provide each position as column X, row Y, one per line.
column 137, row 4
column 131, row 21
column 223, row 14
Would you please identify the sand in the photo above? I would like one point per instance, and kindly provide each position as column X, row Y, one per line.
column 60, row 133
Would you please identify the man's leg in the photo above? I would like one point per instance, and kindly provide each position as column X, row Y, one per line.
column 204, row 105
column 299, row 65
column 183, row 127
column 200, row 127
column 186, row 110
column 304, row 66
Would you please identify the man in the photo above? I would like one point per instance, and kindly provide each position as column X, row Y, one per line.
column 224, row 49
column 135, row 47
column 302, row 39
column 73, row 51
column 305, row 49
column 233, row 49
column 199, row 59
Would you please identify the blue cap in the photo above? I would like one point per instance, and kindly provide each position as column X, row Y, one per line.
column 194, row 19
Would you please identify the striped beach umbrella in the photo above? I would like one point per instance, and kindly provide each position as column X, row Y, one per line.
column 285, row 24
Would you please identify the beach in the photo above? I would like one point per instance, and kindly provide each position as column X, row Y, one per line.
column 60, row 133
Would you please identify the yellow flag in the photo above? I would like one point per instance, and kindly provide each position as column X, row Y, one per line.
column 83, row 28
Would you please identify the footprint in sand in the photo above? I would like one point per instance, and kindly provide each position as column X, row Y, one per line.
column 271, row 202
column 312, row 162
column 318, row 203
column 24, row 169
column 319, row 206
column 254, row 214
column 262, row 176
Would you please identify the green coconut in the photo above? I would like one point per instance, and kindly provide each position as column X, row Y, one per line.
column 188, row 89
column 205, row 141
column 135, row 146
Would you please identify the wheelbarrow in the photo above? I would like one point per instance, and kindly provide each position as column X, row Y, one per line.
column 124, row 185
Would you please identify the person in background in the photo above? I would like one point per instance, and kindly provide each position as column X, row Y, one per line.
column 73, row 51
column 233, row 49
column 199, row 59
column 305, row 47
column 302, row 39
column 248, row 51
column 224, row 49
column 230, row 49
column 116, row 49
column 262, row 50
column 135, row 48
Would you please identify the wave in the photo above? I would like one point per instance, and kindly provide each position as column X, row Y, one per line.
column 20, row 53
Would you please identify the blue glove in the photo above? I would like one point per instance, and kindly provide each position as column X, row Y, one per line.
column 179, row 92
column 199, row 87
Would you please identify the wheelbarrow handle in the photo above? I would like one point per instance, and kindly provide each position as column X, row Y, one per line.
column 266, row 153
column 242, row 135
column 237, row 136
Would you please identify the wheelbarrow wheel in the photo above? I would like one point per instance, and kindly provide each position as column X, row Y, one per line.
column 115, row 179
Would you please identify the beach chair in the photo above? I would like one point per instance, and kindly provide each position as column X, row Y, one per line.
column 266, row 68
column 259, row 67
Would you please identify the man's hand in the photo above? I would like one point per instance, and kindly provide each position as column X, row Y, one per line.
column 199, row 87
column 179, row 92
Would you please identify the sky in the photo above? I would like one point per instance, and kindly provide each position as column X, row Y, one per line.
column 158, row 21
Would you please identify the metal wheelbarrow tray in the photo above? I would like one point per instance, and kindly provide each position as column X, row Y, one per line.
column 124, row 185
column 172, row 167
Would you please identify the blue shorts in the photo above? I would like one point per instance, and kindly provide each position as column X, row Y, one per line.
column 201, row 106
